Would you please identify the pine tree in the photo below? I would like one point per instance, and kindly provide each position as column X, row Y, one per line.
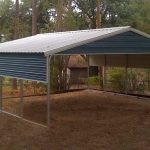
column 34, row 17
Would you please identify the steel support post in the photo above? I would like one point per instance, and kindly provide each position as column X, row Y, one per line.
column 126, row 75
column 88, row 72
column 1, row 95
column 104, row 73
column 48, row 89
column 21, row 98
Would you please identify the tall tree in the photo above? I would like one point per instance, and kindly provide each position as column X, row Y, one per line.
column 16, row 36
column 60, row 59
column 140, row 15
column 34, row 17
column 88, row 11
column 7, row 20
column 98, row 25
column 98, row 14
column 59, row 18
column 34, row 29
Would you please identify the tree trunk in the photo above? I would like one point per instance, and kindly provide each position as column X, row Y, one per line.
column 98, row 14
column 16, row 36
column 59, row 10
column 34, row 30
column 58, row 28
column 98, row 25
column 34, row 17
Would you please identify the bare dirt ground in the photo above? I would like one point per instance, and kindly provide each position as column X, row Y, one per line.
column 85, row 120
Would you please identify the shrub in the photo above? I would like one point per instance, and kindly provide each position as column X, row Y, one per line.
column 117, row 78
column 95, row 81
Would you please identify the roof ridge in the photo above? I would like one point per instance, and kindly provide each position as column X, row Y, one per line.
column 86, row 30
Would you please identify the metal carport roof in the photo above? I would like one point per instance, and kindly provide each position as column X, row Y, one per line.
column 25, row 58
column 52, row 43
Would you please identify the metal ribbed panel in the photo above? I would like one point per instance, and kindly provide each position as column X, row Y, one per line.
column 52, row 43
column 26, row 66
column 55, row 42
column 124, row 43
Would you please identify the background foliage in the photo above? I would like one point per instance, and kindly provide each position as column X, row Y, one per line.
column 76, row 14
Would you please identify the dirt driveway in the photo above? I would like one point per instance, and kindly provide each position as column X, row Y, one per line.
column 85, row 120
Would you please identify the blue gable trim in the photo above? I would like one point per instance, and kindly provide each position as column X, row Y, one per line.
column 128, row 42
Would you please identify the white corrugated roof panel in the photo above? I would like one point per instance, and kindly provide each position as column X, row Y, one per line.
column 51, row 43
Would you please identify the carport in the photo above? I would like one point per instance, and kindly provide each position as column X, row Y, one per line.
column 29, row 58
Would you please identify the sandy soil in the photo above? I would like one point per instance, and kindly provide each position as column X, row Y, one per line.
column 85, row 120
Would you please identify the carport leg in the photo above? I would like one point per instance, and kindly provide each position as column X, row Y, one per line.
column 88, row 72
column 104, row 78
column 1, row 95
column 126, row 76
column 21, row 97
column 126, row 80
column 104, row 73
column 48, row 90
